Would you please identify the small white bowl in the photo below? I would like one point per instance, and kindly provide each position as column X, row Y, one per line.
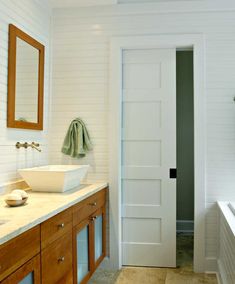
column 15, row 203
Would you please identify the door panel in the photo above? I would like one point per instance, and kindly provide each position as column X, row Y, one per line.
column 83, row 253
column 146, row 192
column 146, row 253
column 146, row 126
column 142, row 153
column 134, row 76
column 148, row 152
column 142, row 230
column 99, row 235
column 28, row 279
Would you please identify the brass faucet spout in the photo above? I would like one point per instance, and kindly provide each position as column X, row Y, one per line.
column 35, row 146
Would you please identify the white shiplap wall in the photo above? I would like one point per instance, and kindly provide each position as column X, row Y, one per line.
column 33, row 18
column 80, row 84
column 226, row 258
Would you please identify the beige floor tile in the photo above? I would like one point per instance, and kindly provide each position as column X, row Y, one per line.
column 181, row 276
column 136, row 275
column 140, row 275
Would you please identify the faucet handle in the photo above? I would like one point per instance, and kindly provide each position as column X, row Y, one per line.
column 36, row 144
column 24, row 145
column 18, row 145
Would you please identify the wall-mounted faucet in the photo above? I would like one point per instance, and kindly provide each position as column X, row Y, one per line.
column 26, row 145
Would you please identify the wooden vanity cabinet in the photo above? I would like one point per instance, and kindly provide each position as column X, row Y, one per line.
column 67, row 248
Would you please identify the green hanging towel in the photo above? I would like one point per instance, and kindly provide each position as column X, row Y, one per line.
column 77, row 140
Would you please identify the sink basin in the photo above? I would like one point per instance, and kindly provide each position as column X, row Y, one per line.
column 54, row 178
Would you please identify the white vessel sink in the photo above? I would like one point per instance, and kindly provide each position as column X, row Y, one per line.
column 54, row 178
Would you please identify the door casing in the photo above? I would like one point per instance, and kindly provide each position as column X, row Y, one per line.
column 117, row 45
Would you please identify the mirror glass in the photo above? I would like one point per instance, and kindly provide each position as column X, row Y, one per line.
column 26, row 89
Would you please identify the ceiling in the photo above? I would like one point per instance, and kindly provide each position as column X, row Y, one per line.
column 85, row 3
column 80, row 3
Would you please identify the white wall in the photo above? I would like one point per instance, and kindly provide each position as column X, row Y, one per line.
column 33, row 18
column 80, row 83
column 226, row 257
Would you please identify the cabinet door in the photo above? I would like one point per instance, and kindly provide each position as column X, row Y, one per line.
column 99, row 224
column 82, row 238
column 29, row 273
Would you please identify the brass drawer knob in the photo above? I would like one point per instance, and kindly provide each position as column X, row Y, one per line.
column 93, row 204
column 61, row 259
column 61, row 225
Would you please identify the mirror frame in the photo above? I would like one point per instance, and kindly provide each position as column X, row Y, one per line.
column 15, row 33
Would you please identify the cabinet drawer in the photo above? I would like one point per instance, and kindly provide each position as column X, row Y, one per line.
column 88, row 206
column 57, row 261
column 55, row 227
column 19, row 250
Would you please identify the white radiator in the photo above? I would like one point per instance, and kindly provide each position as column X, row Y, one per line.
column 226, row 259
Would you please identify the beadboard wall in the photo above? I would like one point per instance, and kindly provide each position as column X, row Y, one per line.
column 34, row 18
column 226, row 257
column 80, row 85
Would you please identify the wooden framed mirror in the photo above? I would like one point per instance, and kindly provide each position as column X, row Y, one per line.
column 25, row 81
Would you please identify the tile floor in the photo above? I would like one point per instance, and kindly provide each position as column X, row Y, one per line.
column 183, row 274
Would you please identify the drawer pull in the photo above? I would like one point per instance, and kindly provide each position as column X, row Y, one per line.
column 93, row 204
column 61, row 225
column 61, row 259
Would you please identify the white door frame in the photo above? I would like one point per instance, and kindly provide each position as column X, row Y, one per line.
column 115, row 108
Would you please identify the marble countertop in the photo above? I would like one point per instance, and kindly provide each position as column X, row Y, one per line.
column 39, row 207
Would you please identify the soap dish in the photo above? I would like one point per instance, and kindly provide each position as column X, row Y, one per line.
column 15, row 203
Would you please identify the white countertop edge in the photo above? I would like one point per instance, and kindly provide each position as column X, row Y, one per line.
column 38, row 220
column 228, row 215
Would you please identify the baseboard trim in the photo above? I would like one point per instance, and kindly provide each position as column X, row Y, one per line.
column 185, row 226
column 106, row 264
column 219, row 280
column 212, row 266
column 221, row 274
